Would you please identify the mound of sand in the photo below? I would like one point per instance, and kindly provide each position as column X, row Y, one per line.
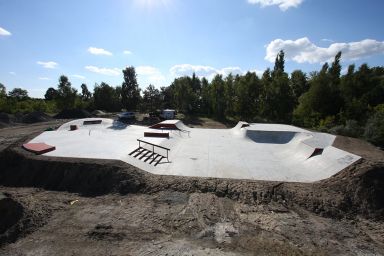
column 4, row 118
column 73, row 113
column 35, row 117
column 10, row 213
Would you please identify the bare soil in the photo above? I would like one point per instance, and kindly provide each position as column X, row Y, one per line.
column 61, row 206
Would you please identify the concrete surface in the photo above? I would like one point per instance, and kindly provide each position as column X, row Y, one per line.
column 259, row 151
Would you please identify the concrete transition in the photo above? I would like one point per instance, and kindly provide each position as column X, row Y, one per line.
column 273, row 152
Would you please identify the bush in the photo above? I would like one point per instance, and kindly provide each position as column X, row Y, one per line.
column 374, row 129
column 350, row 129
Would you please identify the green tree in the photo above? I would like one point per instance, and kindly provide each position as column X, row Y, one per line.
column 205, row 97
column 196, row 94
column 299, row 84
column 183, row 96
column 66, row 95
column 85, row 93
column 323, row 99
column 106, row 97
column 51, row 94
column 279, row 64
column 277, row 100
column 265, row 94
column 3, row 91
column 374, row 130
column 151, row 98
column 18, row 94
column 166, row 97
column 130, row 91
column 247, row 91
column 229, row 95
column 217, row 96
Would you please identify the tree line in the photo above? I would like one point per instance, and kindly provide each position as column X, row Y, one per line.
column 351, row 104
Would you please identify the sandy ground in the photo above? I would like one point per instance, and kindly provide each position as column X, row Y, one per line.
column 170, row 222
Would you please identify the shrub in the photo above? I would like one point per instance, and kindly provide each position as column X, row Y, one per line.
column 350, row 129
column 374, row 129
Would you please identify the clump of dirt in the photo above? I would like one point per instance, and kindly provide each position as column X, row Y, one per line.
column 4, row 117
column 73, row 113
column 5, row 120
column 35, row 117
column 10, row 213
column 19, row 217
column 362, row 187
column 105, row 232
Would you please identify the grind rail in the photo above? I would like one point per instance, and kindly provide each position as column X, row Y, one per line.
column 143, row 153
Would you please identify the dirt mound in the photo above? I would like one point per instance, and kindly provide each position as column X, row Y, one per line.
column 10, row 214
column 35, row 117
column 355, row 191
column 20, row 216
column 73, row 113
column 4, row 118
column 87, row 176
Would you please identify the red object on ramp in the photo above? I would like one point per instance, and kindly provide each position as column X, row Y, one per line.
column 38, row 148
column 164, row 126
column 157, row 134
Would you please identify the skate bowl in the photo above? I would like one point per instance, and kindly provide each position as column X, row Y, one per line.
column 270, row 152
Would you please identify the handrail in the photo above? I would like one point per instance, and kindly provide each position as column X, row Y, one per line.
column 153, row 146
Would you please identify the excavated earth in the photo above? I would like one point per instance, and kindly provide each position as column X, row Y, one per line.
column 66, row 206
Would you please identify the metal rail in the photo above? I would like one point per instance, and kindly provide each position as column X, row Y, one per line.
column 153, row 147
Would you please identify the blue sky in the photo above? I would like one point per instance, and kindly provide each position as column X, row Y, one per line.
column 91, row 41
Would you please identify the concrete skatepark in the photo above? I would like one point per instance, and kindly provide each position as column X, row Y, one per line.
column 271, row 152
column 88, row 205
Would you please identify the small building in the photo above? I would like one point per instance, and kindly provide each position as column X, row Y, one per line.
column 168, row 114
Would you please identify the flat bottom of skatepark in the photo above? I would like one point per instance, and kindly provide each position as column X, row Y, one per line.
column 271, row 152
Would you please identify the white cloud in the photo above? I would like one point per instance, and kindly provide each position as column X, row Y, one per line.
column 104, row 71
column 303, row 50
column 206, row 71
column 188, row 69
column 12, row 73
column 258, row 72
column 230, row 70
column 99, row 51
column 150, row 75
column 44, row 78
column 78, row 77
column 127, row 52
column 4, row 32
column 283, row 4
column 48, row 64
column 327, row 40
